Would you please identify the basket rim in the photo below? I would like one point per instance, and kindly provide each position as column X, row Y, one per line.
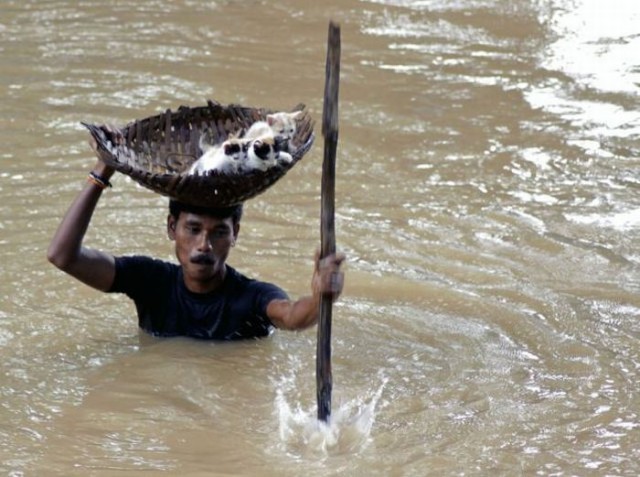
column 150, row 143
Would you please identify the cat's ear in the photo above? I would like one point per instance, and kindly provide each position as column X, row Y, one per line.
column 296, row 115
column 271, row 119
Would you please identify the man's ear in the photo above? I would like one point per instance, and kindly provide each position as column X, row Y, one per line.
column 236, row 231
column 171, row 227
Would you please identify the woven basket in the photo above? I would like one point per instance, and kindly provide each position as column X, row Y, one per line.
column 158, row 150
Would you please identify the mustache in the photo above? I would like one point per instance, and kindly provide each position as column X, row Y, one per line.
column 202, row 259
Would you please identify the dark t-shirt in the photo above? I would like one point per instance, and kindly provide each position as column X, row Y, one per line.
column 236, row 310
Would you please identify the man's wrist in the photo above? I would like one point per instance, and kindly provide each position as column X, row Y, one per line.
column 103, row 170
column 98, row 180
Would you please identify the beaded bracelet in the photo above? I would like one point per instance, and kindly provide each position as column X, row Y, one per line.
column 99, row 181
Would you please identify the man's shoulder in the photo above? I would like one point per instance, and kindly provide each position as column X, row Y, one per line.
column 253, row 285
column 136, row 272
column 143, row 261
column 236, row 276
column 239, row 279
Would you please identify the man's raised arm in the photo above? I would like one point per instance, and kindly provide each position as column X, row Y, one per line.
column 93, row 267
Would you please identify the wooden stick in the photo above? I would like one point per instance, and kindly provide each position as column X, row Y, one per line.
column 324, row 378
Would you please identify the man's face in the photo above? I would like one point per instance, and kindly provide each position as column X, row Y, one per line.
column 202, row 244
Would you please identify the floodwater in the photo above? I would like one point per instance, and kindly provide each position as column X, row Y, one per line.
column 488, row 199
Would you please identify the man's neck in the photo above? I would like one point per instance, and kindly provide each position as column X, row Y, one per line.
column 205, row 286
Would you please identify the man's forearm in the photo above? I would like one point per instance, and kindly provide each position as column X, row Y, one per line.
column 303, row 313
column 66, row 252
column 67, row 242
column 294, row 315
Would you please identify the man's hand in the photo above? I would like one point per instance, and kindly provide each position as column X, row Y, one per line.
column 115, row 136
column 327, row 277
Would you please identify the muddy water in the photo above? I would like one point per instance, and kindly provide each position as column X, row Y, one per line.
column 488, row 200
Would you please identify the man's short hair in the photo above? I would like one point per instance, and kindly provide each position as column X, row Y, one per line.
column 234, row 212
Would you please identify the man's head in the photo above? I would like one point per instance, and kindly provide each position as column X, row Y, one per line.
column 233, row 212
column 203, row 238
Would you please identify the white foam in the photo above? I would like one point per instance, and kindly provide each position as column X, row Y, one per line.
column 623, row 221
column 347, row 431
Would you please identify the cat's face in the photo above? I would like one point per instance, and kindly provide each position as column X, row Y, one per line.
column 234, row 149
column 283, row 124
column 265, row 149
column 264, row 153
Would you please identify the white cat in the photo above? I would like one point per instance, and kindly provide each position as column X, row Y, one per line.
column 264, row 153
column 225, row 158
column 264, row 145
column 281, row 125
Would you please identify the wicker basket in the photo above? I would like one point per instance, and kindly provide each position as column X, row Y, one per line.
column 158, row 150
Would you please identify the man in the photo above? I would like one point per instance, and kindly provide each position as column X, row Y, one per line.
column 203, row 297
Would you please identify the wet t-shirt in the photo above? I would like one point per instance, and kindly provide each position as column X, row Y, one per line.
column 236, row 310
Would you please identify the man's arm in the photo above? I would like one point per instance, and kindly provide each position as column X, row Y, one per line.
column 302, row 313
column 95, row 268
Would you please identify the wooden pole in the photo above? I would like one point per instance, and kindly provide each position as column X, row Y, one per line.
column 324, row 378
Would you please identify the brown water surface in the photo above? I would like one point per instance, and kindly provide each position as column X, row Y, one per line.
column 488, row 201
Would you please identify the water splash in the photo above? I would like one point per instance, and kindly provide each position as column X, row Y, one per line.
column 347, row 431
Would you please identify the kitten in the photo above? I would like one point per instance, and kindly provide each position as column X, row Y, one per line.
column 263, row 153
column 281, row 125
column 225, row 158
column 208, row 140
